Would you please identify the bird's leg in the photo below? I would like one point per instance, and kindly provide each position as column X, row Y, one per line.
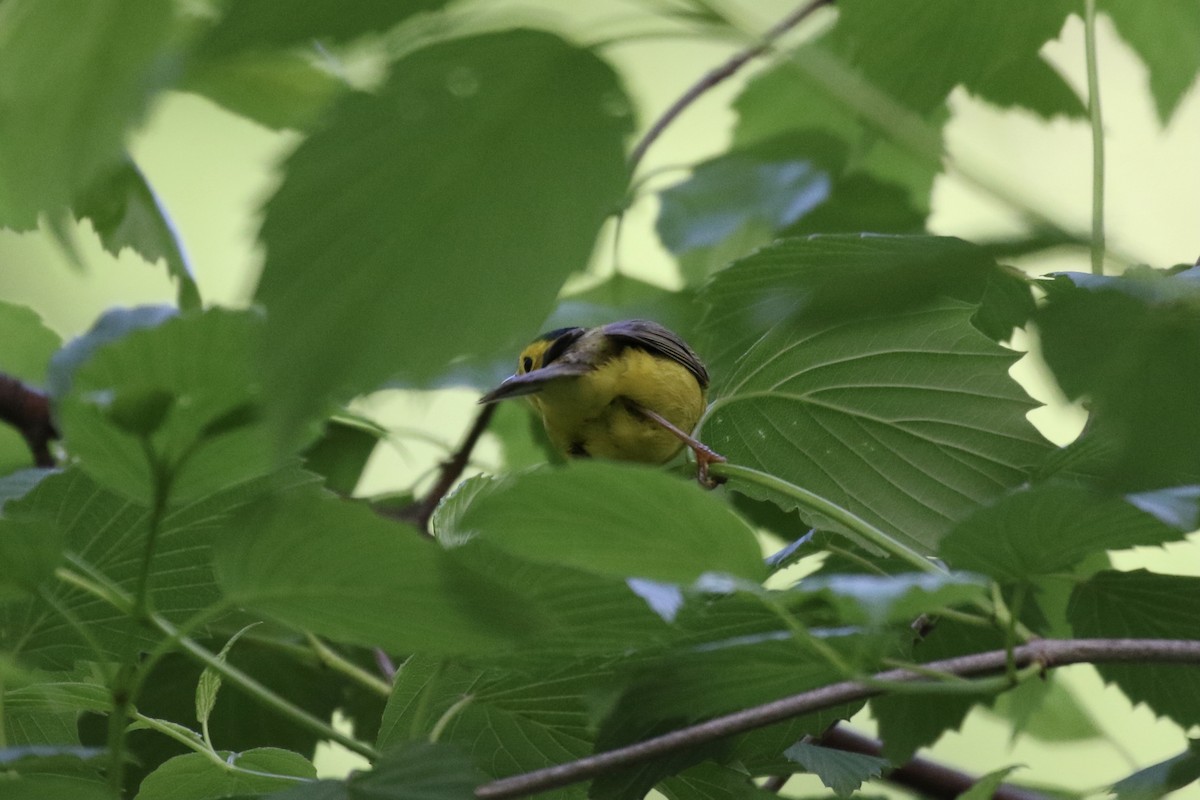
column 705, row 455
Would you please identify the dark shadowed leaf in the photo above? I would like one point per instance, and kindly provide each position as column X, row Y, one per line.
column 1130, row 346
column 1049, row 529
column 342, row 452
column 1046, row 710
column 442, row 181
column 1142, row 604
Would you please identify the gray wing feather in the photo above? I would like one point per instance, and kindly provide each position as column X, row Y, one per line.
column 655, row 338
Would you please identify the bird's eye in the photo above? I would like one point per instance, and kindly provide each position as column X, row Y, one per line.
column 527, row 364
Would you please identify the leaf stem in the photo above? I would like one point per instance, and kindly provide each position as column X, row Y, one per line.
column 816, row 503
column 339, row 663
column 1097, row 120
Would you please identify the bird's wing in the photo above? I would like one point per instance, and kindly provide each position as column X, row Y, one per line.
column 532, row 382
column 655, row 338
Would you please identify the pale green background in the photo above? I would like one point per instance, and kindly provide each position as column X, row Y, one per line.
column 214, row 170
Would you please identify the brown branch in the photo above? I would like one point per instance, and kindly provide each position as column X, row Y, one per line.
column 28, row 410
column 719, row 74
column 920, row 775
column 451, row 470
column 1047, row 652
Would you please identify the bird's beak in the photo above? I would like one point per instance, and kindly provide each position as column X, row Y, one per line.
column 532, row 382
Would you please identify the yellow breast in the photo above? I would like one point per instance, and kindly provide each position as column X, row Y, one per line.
column 591, row 416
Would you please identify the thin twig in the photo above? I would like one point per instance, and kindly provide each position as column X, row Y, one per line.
column 1048, row 652
column 919, row 775
column 419, row 513
column 719, row 74
column 28, row 410
column 1097, row 123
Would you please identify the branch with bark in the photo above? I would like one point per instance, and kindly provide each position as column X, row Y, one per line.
column 1046, row 653
column 28, row 410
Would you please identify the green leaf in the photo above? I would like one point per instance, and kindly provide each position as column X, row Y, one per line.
column 507, row 722
column 901, row 48
column 73, row 80
column 710, row 781
column 985, row 788
column 56, row 787
column 139, row 412
column 206, row 361
column 337, row 569
column 267, row 24
column 1142, row 604
column 1131, row 347
column 1046, row 710
column 418, row 771
column 112, row 326
column 1046, row 530
column 30, row 548
column 841, row 771
column 1163, row 37
column 474, row 130
column 1159, row 780
column 107, row 532
column 210, row 680
column 835, row 371
column 195, row 776
column 126, row 213
column 614, row 519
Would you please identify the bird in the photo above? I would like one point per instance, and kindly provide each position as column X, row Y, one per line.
column 627, row 391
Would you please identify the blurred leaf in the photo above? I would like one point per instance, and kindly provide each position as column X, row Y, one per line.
column 507, row 722
column 341, row 454
column 1030, row 83
column 770, row 184
column 195, row 776
column 337, row 569
column 1163, row 37
column 138, row 411
column 836, row 370
column 783, row 99
column 126, row 213
column 623, row 297
column 56, row 787
column 710, row 781
column 418, row 771
column 206, row 361
column 839, row 770
column 985, row 788
column 901, row 48
column 614, row 519
column 108, row 532
column 281, row 90
column 522, row 437
column 1046, row 530
column 1142, row 604
column 876, row 600
column 861, row 203
column 1046, row 710
column 1131, row 347
column 112, row 325
column 28, row 343
column 1159, row 780
column 268, row 24
column 73, row 80
column 475, row 129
